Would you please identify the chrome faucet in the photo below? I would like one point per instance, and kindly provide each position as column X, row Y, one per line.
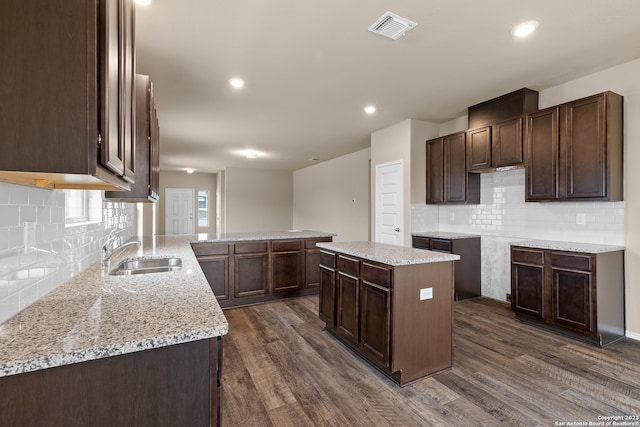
column 107, row 251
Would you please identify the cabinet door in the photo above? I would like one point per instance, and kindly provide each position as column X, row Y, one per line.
column 572, row 299
column 542, row 135
column 376, row 322
column 127, row 87
column 250, row 275
column 111, row 148
column 327, row 299
column 348, row 307
column 419, row 242
column 507, row 143
column 585, row 141
column 311, row 271
column 455, row 168
column 154, row 136
column 479, row 148
column 287, row 271
column 216, row 270
column 435, row 170
column 527, row 282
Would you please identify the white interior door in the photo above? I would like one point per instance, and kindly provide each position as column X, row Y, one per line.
column 178, row 218
column 389, row 213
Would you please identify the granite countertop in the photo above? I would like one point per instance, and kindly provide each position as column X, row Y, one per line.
column 444, row 235
column 259, row 235
column 94, row 315
column 388, row 254
column 590, row 248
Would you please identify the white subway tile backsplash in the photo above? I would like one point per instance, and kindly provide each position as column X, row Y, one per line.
column 503, row 216
column 29, row 270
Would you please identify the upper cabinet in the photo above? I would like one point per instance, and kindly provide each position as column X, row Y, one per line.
column 447, row 177
column 495, row 137
column 146, row 143
column 67, row 78
column 574, row 150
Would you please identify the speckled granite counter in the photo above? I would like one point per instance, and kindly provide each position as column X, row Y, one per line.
column 94, row 315
column 589, row 248
column 388, row 254
column 443, row 235
column 260, row 235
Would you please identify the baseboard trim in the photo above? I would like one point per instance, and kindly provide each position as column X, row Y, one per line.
column 633, row 335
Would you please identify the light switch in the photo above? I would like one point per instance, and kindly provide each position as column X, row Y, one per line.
column 426, row 293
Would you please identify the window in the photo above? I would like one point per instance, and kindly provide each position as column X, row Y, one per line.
column 82, row 206
column 203, row 208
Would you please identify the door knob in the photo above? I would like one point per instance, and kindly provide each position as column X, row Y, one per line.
column 397, row 229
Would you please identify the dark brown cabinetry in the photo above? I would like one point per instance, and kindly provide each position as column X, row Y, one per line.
column 68, row 116
column 447, row 177
column 574, row 150
column 146, row 143
column 581, row 294
column 177, row 385
column 496, row 146
column 467, row 277
column 375, row 309
column 286, row 259
column 250, row 272
column 251, row 269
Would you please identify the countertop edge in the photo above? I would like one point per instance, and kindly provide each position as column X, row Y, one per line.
column 590, row 248
column 416, row 258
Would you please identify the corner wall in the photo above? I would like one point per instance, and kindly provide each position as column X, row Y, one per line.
column 333, row 197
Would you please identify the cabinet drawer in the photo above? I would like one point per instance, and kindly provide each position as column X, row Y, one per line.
column 286, row 245
column 420, row 242
column 210, row 249
column 311, row 243
column 527, row 256
column 327, row 259
column 349, row 266
column 571, row 261
column 441, row 245
column 252, row 247
column 378, row 275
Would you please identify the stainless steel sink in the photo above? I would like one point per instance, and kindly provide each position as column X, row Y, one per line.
column 145, row 265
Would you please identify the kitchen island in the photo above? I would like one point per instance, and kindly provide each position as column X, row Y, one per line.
column 392, row 305
column 246, row 268
column 140, row 350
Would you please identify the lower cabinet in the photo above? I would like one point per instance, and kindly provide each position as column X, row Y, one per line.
column 580, row 294
column 177, row 385
column 376, row 310
column 250, row 272
column 467, row 280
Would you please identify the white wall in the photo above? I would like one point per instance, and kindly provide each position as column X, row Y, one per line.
column 401, row 142
column 258, row 200
column 503, row 216
column 333, row 197
column 30, row 270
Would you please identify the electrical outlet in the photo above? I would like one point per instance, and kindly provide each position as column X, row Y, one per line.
column 426, row 293
column 508, row 297
column 29, row 236
column 581, row 219
column 452, row 216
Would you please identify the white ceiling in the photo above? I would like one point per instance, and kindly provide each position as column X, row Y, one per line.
column 311, row 66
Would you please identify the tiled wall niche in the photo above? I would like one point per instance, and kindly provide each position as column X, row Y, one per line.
column 32, row 266
column 503, row 217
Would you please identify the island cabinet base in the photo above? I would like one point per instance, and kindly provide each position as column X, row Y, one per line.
column 176, row 385
column 397, row 317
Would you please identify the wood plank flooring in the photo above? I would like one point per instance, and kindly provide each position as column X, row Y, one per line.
column 281, row 368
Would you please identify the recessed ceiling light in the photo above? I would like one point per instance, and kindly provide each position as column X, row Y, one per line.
column 250, row 154
column 525, row 28
column 189, row 170
column 369, row 109
column 236, row 82
column 143, row 2
column 313, row 159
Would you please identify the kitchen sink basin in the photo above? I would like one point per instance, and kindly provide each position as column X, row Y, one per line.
column 145, row 265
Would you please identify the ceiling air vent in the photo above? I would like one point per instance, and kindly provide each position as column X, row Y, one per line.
column 392, row 26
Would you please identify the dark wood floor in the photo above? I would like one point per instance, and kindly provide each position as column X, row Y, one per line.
column 282, row 369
